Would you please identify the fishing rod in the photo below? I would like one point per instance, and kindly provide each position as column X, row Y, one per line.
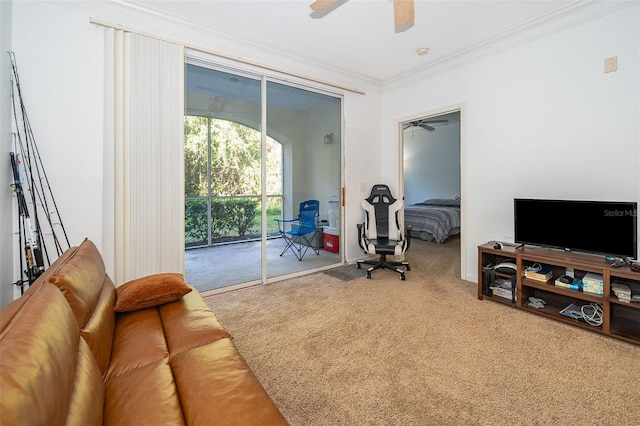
column 36, row 183
column 33, row 254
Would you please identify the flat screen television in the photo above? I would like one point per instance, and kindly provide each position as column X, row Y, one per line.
column 599, row 227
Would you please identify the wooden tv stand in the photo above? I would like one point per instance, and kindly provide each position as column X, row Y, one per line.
column 619, row 319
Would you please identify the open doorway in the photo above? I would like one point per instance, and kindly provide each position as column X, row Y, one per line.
column 432, row 176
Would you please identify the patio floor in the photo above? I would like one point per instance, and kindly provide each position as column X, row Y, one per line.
column 213, row 268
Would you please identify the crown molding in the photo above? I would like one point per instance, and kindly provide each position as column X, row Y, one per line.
column 148, row 21
column 571, row 15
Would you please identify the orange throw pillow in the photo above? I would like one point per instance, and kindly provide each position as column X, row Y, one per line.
column 152, row 290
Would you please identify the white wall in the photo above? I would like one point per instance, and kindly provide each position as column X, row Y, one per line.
column 364, row 165
column 323, row 160
column 541, row 120
column 60, row 63
column 431, row 163
column 7, row 247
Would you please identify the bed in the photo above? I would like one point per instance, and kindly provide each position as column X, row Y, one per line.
column 434, row 219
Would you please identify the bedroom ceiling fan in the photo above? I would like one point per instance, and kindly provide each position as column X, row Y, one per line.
column 403, row 10
column 424, row 124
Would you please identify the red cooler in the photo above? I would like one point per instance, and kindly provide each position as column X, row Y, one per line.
column 331, row 239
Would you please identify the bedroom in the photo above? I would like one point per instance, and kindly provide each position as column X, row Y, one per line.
column 431, row 161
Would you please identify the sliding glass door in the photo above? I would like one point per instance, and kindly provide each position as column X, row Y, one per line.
column 307, row 124
column 240, row 180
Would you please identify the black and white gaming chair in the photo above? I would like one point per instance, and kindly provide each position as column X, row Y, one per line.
column 382, row 233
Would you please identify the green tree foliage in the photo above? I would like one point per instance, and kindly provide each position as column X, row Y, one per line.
column 240, row 215
column 235, row 159
column 229, row 217
column 195, row 156
column 234, row 155
column 195, row 221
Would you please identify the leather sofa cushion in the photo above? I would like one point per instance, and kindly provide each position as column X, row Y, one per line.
column 216, row 386
column 144, row 396
column 80, row 278
column 99, row 329
column 38, row 357
column 10, row 310
column 139, row 341
column 87, row 400
column 147, row 335
column 189, row 323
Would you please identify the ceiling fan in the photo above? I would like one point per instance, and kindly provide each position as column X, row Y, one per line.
column 424, row 124
column 402, row 9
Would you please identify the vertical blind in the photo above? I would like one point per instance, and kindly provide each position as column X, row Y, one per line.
column 145, row 220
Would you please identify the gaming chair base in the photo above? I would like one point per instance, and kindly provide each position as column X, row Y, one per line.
column 386, row 264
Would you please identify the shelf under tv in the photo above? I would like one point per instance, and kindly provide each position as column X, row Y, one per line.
column 620, row 319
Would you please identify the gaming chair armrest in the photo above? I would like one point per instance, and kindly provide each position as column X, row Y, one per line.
column 361, row 235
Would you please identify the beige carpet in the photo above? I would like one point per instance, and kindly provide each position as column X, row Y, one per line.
column 424, row 351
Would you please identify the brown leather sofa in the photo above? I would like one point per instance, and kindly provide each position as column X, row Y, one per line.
column 68, row 358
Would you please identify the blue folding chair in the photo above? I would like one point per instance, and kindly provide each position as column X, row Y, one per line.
column 301, row 233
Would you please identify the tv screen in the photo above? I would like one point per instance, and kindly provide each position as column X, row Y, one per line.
column 602, row 227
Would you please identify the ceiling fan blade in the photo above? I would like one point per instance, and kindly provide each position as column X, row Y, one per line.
column 320, row 5
column 436, row 121
column 429, row 128
column 403, row 12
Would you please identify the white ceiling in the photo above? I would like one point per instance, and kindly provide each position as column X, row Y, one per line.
column 358, row 36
